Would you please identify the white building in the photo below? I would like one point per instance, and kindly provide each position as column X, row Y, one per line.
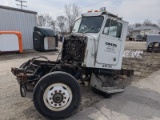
column 145, row 30
column 13, row 19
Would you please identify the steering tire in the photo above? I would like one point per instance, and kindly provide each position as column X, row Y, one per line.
column 57, row 95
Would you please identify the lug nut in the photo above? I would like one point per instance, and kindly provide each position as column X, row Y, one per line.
column 60, row 91
column 51, row 102
column 63, row 101
column 55, row 104
column 51, row 93
column 55, row 91
column 64, row 97
column 50, row 98
column 59, row 104
column 63, row 93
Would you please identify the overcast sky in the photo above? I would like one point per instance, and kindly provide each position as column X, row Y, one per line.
column 131, row 10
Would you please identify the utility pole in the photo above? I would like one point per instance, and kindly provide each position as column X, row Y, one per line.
column 21, row 3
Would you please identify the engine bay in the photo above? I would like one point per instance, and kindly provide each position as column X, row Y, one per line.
column 73, row 50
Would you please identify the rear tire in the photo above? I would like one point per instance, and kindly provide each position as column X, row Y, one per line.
column 57, row 95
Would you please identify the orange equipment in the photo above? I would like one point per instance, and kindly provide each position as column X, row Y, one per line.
column 7, row 46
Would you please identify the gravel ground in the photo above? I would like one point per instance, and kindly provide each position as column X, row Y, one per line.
column 135, row 45
column 13, row 107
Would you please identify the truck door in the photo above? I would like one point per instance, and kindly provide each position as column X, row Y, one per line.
column 109, row 46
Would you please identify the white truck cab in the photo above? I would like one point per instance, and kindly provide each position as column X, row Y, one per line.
column 106, row 35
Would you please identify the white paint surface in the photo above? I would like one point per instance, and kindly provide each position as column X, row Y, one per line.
column 49, row 43
column 9, row 42
column 45, row 43
column 133, row 54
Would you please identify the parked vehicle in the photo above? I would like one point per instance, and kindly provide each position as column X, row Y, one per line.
column 139, row 38
column 131, row 38
column 153, row 43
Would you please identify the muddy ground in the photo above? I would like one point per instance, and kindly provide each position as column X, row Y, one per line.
column 13, row 107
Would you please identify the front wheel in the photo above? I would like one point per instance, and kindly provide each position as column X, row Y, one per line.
column 57, row 95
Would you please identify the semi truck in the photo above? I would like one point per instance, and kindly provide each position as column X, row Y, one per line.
column 92, row 53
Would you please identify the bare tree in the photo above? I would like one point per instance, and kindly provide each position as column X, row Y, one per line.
column 53, row 24
column 41, row 20
column 48, row 20
column 137, row 25
column 61, row 23
column 159, row 22
column 130, row 27
column 45, row 20
column 147, row 22
column 72, row 12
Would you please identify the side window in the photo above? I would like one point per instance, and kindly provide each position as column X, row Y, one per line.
column 113, row 28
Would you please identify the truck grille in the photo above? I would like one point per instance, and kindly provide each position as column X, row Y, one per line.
column 74, row 49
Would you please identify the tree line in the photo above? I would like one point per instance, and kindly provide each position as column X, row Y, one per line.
column 63, row 23
column 146, row 22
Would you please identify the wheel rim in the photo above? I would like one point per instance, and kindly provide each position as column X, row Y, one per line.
column 57, row 97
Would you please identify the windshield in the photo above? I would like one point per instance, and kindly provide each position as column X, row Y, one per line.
column 88, row 24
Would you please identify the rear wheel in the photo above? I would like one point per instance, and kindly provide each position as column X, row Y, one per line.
column 57, row 95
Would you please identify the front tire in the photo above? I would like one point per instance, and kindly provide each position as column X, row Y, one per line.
column 57, row 95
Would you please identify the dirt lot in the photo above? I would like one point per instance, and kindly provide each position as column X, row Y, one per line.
column 132, row 45
column 14, row 107
column 143, row 67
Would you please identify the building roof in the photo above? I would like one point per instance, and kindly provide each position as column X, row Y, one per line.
column 145, row 28
column 16, row 9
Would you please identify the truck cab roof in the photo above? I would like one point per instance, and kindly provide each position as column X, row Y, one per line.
column 101, row 13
